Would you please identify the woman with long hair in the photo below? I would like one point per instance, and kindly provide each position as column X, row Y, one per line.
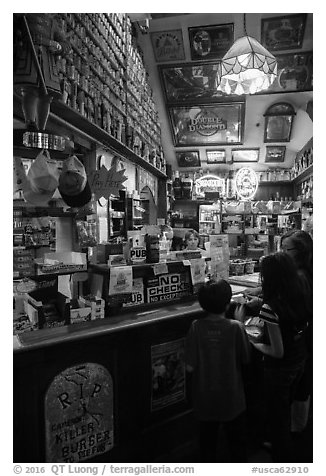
column 299, row 245
column 285, row 316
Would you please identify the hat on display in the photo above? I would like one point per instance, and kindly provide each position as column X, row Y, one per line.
column 73, row 184
column 42, row 180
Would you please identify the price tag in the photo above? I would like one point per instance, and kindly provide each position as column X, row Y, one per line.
column 186, row 262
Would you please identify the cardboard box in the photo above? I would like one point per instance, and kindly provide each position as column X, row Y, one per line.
column 104, row 250
column 61, row 262
column 45, row 306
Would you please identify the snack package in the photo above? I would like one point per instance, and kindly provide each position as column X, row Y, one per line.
column 87, row 235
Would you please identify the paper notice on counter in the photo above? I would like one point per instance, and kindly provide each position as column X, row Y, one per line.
column 120, row 280
column 220, row 256
column 197, row 270
column 186, row 262
column 137, row 297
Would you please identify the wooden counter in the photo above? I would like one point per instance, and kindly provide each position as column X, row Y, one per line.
column 145, row 427
column 144, row 415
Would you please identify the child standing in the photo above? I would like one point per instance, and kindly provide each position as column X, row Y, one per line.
column 216, row 349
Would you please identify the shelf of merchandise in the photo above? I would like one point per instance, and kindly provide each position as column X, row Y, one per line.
column 302, row 176
column 73, row 121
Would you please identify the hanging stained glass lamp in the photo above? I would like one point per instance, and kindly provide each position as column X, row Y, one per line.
column 247, row 68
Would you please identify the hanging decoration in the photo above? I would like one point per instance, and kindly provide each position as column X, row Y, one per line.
column 247, row 68
column 104, row 182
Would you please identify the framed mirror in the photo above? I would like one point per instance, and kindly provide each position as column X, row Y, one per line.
column 278, row 122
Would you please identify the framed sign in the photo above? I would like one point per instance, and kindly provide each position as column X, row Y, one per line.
column 207, row 124
column 216, row 156
column 294, row 73
column 245, row 155
column 211, row 41
column 284, row 32
column 278, row 122
column 190, row 82
column 168, row 45
column 275, row 153
column 209, row 183
column 188, row 158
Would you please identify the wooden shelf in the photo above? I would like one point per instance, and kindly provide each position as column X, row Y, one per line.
column 274, row 182
column 61, row 112
column 185, row 201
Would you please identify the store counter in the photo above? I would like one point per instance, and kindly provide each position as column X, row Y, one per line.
column 112, row 390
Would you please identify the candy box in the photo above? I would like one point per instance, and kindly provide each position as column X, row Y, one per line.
column 79, row 312
column 22, row 324
column 237, row 267
column 234, row 207
column 96, row 305
column 260, row 207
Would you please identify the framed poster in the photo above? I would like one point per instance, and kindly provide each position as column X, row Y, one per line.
column 275, row 153
column 190, row 82
column 168, row 374
column 211, row 41
column 216, row 156
column 207, row 124
column 245, row 155
column 294, row 73
column 283, row 32
column 188, row 158
column 168, row 45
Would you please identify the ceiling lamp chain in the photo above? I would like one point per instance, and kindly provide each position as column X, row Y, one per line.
column 247, row 67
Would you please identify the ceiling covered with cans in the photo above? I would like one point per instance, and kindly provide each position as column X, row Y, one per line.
column 181, row 52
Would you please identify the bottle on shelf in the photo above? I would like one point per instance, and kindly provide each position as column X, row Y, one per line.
column 177, row 185
column 186, row 186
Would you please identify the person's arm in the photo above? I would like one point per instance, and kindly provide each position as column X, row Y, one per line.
column 275, row 349
column 253, row 291
column 244, row 344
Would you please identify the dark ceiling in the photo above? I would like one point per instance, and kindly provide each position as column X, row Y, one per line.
column 156, row 16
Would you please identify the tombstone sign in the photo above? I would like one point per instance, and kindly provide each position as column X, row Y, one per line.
column 79, row 414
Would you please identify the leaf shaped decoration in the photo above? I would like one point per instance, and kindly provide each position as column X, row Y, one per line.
column 104, row 182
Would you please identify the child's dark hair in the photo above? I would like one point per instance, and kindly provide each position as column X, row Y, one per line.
column 189, row 233
column 215, row 296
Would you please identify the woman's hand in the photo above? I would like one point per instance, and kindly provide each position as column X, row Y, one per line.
column 275, row 349
column 240, row 313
